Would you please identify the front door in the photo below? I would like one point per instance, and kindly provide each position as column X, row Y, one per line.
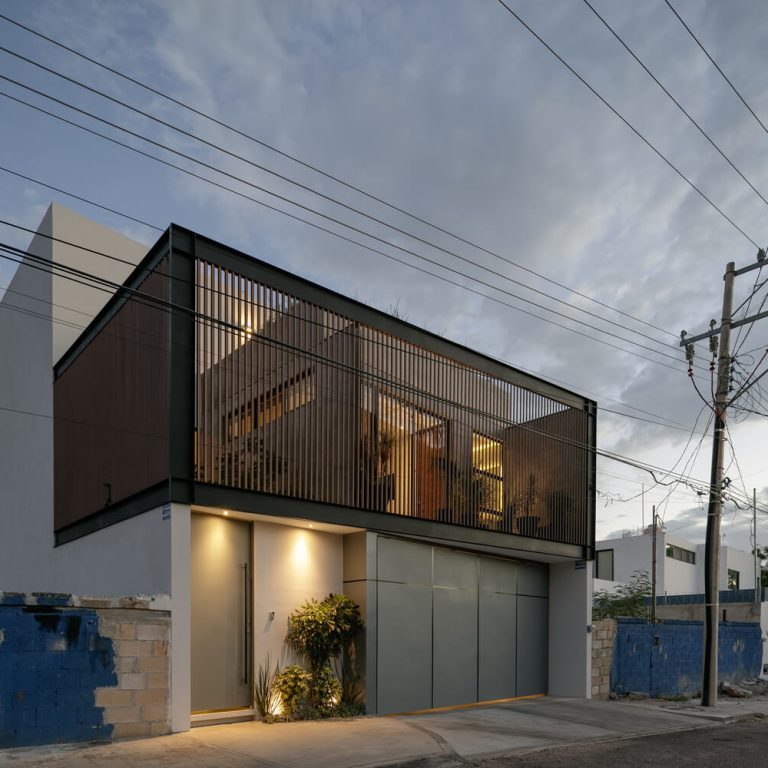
column 220, row 569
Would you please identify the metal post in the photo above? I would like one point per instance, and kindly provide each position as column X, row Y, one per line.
column 653, row 570
column 754, row 547
column 714, row 512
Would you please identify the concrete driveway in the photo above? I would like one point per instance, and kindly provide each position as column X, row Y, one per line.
column 446, row 739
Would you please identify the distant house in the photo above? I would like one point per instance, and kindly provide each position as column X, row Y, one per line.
column 239, row 439
column 679, row 563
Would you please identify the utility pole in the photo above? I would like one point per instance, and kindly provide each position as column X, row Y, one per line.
column 754, row 546
column 653, row 570
column 714, row 510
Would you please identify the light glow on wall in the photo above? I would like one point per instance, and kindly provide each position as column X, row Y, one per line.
column 301, row 550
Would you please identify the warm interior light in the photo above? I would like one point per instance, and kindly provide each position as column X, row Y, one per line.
column 226, row 513
column 311, row 525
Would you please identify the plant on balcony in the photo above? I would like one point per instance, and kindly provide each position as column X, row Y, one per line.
column 320, row 631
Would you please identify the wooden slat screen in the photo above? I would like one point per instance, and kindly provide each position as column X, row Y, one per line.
column 297, row 400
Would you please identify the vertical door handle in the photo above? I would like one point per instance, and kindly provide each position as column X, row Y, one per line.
column 245, row 623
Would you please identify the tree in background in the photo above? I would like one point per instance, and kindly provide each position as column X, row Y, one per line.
column 626, row 600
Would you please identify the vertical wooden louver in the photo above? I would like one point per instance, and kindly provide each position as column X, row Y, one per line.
column 297, row 400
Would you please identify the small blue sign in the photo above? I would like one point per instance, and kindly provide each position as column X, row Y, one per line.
column 166, row 511
column 580, row 565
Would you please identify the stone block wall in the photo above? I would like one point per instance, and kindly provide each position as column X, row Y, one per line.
column 603, row 639
column 81, row 669
column 139, row 704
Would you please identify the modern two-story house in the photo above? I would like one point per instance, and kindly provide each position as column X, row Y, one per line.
column 241, row 439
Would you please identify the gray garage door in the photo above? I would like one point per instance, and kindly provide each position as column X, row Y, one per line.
column 455, row 628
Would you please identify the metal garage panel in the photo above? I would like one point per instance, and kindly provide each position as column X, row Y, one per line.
column 533, row 580
column 404, row 647
column 497, row 629
column 455, row 569
column 404, row 561
column 454, row 670
column 532, row 645
column 497, row 575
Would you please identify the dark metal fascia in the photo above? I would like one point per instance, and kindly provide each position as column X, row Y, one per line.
column 143, row 501
column 207, row 495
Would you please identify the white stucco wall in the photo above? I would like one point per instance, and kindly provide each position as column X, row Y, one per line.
column 125, row 559
column 290, row 565
column 679, row 578
column 633, row 553
column 743, row 562
column 570, row 644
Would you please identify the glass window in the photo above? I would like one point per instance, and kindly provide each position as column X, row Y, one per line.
column 604, row 564
column 487, row 490
column 733, row 579
column 678, row 553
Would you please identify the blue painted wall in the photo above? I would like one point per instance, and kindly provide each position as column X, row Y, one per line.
column 52, row 659
column 666, row 659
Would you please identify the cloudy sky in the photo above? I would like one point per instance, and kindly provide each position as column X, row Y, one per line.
column 453, row 111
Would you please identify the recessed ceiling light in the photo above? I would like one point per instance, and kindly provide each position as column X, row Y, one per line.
column 226, row 513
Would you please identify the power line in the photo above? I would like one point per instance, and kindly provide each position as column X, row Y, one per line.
column 339, row 235
column 314, row 211
column 506, row 362
column 676, row 102
column 168, row 306
column 321, row 172
column 716, row 66
column 41, row 262
column 81, row 199
column 626, row 122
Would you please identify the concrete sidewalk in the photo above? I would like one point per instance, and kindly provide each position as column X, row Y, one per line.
column 437, row 739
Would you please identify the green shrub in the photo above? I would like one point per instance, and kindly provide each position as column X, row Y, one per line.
column 292, row 686
column 319, row 632
column 629, row 599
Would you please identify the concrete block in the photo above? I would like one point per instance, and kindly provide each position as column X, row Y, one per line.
column 159, row 647
column 157, row 680
column 159, row 729
column 153, row 664
column 125, row 631
column 130, row 714
column 154, row 713
column 107, row 697
column 152, row 632
column 130, row 730
column 127, row 664
column 134, row 647
column 152, row 696
column 133, row 682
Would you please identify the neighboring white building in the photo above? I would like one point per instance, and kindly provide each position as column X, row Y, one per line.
column 679, row 563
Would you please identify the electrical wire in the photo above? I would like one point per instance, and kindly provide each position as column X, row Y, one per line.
column 629, row 125
column 362, row 245
column 359, row 230
column 168, row 306
column 316, row 169
column 716, row 66
column 675, row 102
